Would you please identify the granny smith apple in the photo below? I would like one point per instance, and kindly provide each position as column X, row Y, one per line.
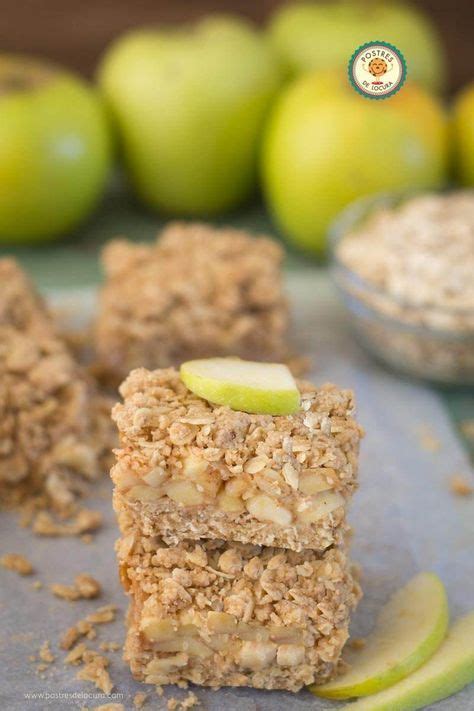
column 323, row 35
column 55, row 150
column 463, row 135
column 449, row 670
column 189, row 105
column 409, row 630
column 262, row 388
column 325, row 145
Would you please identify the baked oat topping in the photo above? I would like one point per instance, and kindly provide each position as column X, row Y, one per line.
column 197, row 292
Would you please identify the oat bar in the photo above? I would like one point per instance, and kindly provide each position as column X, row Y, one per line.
column 188, row 469
column 218, row 614
column 50, row 415
column 197, row 292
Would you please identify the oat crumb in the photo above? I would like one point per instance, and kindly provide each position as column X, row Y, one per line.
column 110, row 707
column 190, row 701
column 76, row 654
column 65, row 592
column 45, row 653
column 37, row 585
column 110, row 646
column 428, row 441
column 87, row 586
column 460, row 486
column 95, row 671
column 139, row 699
column 159, row 690
column 16, row 562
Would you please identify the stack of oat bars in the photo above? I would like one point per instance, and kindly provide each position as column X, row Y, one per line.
column 233, row 542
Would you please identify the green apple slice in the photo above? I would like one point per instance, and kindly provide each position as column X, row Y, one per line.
column 410, row 628
column 262, row 388
column 449, row 670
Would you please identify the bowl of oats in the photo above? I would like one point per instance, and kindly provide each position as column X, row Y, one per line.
column 404, row 266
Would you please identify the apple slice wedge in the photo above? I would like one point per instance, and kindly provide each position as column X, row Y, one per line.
column 410, row 628
column 449, row 670
column 262, row 388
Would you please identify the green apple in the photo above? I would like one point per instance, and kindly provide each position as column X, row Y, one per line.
column 325, row 145
column 409, row 630
column 449, row 670
column 55, row 150
column 189, row 105
column 262, row 388
column 463, row 135
column 323, row 35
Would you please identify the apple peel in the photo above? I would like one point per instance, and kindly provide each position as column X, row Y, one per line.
column 449, row 670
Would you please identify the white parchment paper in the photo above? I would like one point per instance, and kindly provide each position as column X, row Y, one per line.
column 404, row 517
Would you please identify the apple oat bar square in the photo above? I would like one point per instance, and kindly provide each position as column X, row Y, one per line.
column 232, row 614
column 188, row 469
column 197, row 292
column 53, row 423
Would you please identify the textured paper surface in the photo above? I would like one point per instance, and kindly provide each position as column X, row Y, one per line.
column 404, row 516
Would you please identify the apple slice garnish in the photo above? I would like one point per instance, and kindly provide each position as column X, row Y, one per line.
column 449, row 670
column 409, row 629
column 261, row 388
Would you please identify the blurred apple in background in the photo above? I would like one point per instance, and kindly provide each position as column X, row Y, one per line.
column 325, row 146
column 323, row 35
column 463, row 135
column 189, row 104
column 54, row 150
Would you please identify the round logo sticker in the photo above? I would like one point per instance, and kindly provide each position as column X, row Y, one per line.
column 377, row 70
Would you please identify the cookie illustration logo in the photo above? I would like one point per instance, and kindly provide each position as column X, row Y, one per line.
column 377, row 70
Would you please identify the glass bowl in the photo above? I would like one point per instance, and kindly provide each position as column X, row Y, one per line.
column 432, row 343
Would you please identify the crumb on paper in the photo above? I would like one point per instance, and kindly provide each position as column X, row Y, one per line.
column 139, row 699
column 76, row 654
column 37, row 585
column 84, row 521
column 109, row 707
column 85, row 587
column 460, row 486
column 85, row 627
column 95, row 671
column 110, row 646
column 189, row 702
column 428, row 440
column 357, row 643
column 16, row 562
column 87, row 538
column 159, row 690
column 45, row 653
